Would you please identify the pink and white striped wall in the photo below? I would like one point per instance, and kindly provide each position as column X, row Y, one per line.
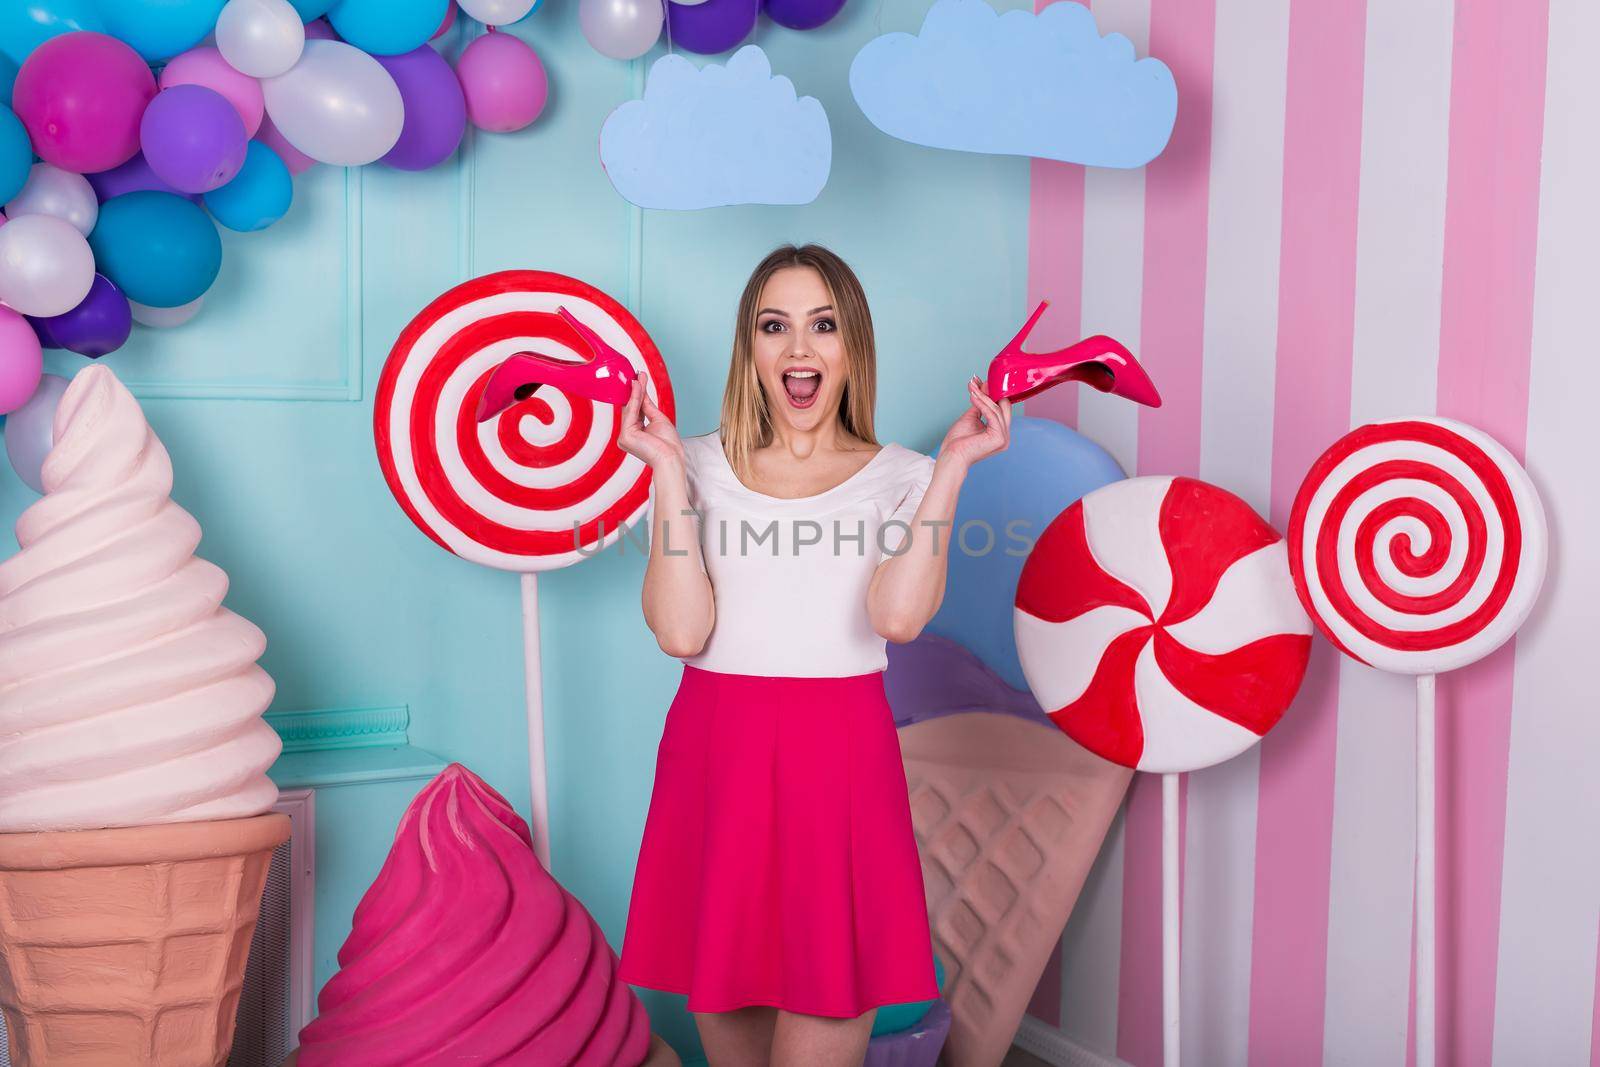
column 1368, row 209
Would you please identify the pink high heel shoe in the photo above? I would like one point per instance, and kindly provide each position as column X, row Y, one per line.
column 1098, row 361
column 607, row 378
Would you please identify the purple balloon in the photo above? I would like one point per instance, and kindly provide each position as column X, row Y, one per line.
column 321, row 30
column 134, row 176
column 41, row 330
column 193, row 138
column 436, row 109
column 712, row 27
column 802, row 14
column 100, row 324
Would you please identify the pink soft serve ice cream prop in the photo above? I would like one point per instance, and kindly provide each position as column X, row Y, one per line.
column 128, row 694
column 465, row 950
column 133, row 758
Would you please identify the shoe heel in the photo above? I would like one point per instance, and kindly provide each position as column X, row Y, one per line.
column 597, row 347
column 1027, row 328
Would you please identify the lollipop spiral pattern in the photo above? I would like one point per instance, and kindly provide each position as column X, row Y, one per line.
column 543, row 484
column 1417, row 545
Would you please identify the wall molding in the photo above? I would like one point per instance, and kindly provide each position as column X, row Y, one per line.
column 333, row 729
column 348, row 390
column 1055, row 1047
column 326, row 747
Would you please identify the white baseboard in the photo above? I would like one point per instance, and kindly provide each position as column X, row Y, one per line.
column 1055, row 1047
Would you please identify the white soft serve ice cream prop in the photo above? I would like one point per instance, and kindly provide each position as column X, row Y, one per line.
column 129, row 696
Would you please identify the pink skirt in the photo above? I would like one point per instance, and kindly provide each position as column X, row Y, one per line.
column 779, row 865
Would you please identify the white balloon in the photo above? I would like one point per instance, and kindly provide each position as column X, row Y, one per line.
column 46, row 267
column 496, row 12
column 61, row 193
column 261, row 38
column 621, row 29
column 337, row 105
column 30, row 431
column 165, row 318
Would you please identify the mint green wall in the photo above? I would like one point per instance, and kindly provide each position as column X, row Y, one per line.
column 265, row 402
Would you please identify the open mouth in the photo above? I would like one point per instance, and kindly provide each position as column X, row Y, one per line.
column 802, row 387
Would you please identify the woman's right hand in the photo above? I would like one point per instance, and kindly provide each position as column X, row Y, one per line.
column 654, row 443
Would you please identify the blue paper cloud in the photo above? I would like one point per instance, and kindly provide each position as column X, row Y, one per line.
column 717, row 136
column 1024, row 84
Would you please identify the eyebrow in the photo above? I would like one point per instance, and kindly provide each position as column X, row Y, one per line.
column 775, row 311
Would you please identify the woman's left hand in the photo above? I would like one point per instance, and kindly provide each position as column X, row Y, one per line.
column 970, row 437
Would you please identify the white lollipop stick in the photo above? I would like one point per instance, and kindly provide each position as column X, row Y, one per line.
column 532, row 678
column 1170, row 934
column 1426, row 840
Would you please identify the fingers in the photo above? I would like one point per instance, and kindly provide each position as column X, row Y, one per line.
column 630, row 410
column 980, row 398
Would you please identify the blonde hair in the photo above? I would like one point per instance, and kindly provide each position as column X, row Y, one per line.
column 746, row 419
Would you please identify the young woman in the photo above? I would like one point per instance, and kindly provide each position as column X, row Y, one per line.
column 778, row 883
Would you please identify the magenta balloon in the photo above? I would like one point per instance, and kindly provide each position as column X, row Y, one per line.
column 296, row 160
column 802, row 14
column 503, row 81
column 449, row 20
column 134, row 176
column 193, row 138
column 21, row 360
column 436, row 109
column 81, row 96
column 205, row 66
column 711, row 27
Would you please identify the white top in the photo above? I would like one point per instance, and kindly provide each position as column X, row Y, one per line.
column 790, row 576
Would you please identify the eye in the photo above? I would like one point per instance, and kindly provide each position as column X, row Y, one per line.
column 767, row 327
column 826, row 323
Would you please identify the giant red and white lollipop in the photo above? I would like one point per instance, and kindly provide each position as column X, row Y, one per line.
column 539, row 485
column 543, row 485
column 1419, row 546
column 1157, row 625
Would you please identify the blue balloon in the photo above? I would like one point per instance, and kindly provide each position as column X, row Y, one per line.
column 8, row 78
column 160, row 29
column 893, row 1018
column 26, row 24
column 258, row 196
column 387, row 27
column 158, row 248
column 314, row 9
column 16, row 155
column 1045, row 469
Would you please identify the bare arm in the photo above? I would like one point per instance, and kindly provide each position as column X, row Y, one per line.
column 907, row 589
column 677, row 599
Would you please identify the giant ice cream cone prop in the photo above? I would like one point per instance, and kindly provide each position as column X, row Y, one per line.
column 466, row 950
column 133, row 760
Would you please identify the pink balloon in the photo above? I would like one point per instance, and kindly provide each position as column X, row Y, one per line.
column 21, row 360
column 205, row 66
column 504, row 82
column 449, row 20
column 296, row 160
column 81, row 96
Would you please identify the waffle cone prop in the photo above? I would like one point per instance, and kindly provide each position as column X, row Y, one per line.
column 128, row 945
column 1009, row 816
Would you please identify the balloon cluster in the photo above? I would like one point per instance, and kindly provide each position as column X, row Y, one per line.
column 626, row 29
column 127, row 136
